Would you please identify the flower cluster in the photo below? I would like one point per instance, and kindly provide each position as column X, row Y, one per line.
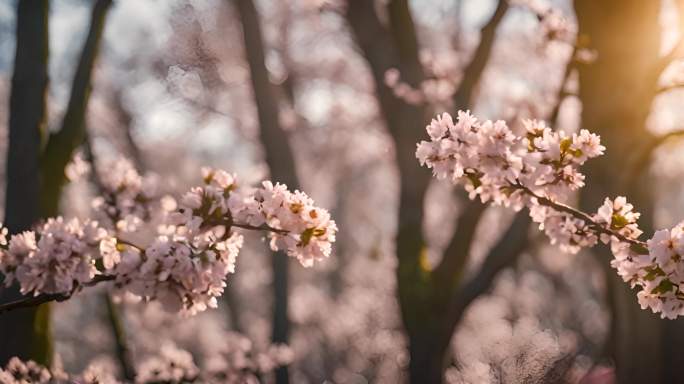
column 238, row 361
column 495, row 164
column 186, row 265
column 126, row 199
column 436, row 90
column 303, row 230
column 499, row 166
column 57, row 258
column 18, row 372
column 539, row 170
column 194, row 248
column 172, row 365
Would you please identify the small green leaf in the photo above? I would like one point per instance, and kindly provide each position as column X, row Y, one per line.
column 638, row 249
column 618, row 221
column 305, row 238
column 664, row 287
column 565, row 144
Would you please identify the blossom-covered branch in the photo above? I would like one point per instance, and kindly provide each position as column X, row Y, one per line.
column 194, row 245
column 539, row 169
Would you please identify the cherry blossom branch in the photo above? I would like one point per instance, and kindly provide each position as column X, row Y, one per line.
column 263, row 227
column 35, row 301
column 185, row 235
column 537, row 171
column 576, row 213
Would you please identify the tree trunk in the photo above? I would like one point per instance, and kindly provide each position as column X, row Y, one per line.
column 617, row 91
column 35, row 180
column 62, row 144
column 25, row 333
column 426, row 305
column 279, row 158
column 428, row 354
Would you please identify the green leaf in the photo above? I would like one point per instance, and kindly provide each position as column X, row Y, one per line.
column 664, row 287
column 306, row 236
column 638, row 249
column 565, row 144
column 618, row 221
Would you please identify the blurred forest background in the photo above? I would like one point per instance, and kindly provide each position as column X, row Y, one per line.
column 424, row 286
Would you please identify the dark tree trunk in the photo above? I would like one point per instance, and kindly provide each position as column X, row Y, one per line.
column 617, row 91
column 428, row 354
column 430, row 301
column 35, row 179
column 25, row 333
column 62, row 144
column 279, row 158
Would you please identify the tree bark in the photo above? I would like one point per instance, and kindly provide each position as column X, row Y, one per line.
column 25, row 333
column 617, row 92
column 62, row 144
column 35, row 179
column 279, row 157
column 426, row 306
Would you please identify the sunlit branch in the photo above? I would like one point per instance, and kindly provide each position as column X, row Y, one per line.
column 642, row 157
column 671, row 56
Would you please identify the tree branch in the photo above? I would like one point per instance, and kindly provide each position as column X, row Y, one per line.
column 502, row 255
column 32, row 301
column 262, row 227
column 585, row 217
column 377, row 47
column 473, row 71
column 114, row 318
column 123, row 352
column 641, row 160
column 448, row 271
column 562, row 93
